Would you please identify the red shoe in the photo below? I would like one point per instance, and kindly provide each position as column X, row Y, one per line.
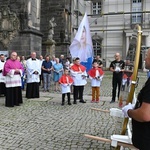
column 97, row 101
column 92, row 101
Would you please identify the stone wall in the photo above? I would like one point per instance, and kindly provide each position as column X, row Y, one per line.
column 28, row 38
column 33, row 30
column 55, row 9
column 27, row 42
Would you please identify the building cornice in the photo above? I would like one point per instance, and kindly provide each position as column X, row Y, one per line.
column 32, row 31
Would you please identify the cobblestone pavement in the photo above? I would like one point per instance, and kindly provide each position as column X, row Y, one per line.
column 43, row 124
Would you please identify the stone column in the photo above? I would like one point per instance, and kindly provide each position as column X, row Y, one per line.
column 50, row 47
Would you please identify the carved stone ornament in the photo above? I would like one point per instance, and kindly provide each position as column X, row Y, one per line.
column 9, row 26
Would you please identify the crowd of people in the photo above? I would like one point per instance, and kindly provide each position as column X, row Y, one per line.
column 16, row 72
column 51, row 73
column 48, row 73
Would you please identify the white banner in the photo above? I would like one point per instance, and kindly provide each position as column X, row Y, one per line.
column 82, row 46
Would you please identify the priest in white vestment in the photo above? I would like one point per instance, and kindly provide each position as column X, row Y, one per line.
column 33, row 76
column 2, row 78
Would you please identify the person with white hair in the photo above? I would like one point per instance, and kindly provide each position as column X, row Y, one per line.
column 53, row 60
column 41, row 76
column 13, row 70
column 58, row 71
column 62, row 60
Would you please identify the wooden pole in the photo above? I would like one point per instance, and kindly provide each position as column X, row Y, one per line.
column 102, row 110
column 134, row 76
column 109, row 141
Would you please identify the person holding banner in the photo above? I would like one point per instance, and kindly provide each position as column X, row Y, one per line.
column 140, row 114
column 78, row 73
column 82, row 46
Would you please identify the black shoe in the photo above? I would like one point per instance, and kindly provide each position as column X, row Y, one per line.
column 17, row 105
column 82, row 101
column 112, row 101
column 74, row 102
column 62, row 104
column 69, row 103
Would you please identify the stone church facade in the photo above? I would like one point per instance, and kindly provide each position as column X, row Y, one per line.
column 24, row 26
column 48, row 26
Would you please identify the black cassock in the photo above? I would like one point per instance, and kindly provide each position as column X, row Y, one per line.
column 2, row 88
column 32, row 90
column 13, row 96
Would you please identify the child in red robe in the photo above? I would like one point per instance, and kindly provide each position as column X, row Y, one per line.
column 96, row 75
column 65, row 81
column 79, row 75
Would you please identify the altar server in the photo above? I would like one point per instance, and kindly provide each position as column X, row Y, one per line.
column 78, row 72
column 96, row 75
column 33, row 76
column 65, row 81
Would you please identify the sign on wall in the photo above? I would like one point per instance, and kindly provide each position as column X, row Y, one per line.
column 6, row 53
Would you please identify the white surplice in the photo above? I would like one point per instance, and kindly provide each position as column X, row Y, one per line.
column 2, row 78
column 78, row 78
column 32, row 66
column 96, row 82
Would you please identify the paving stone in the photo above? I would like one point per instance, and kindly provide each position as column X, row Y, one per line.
column 43, row 124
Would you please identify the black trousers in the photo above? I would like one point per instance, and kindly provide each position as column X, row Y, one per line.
column 78, row 92
column 116, row 82
column 2, row 89
column 63, row 97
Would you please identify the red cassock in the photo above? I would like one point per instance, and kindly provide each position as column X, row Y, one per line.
column 92, row 72
column 65, row 79
column 77, row 68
